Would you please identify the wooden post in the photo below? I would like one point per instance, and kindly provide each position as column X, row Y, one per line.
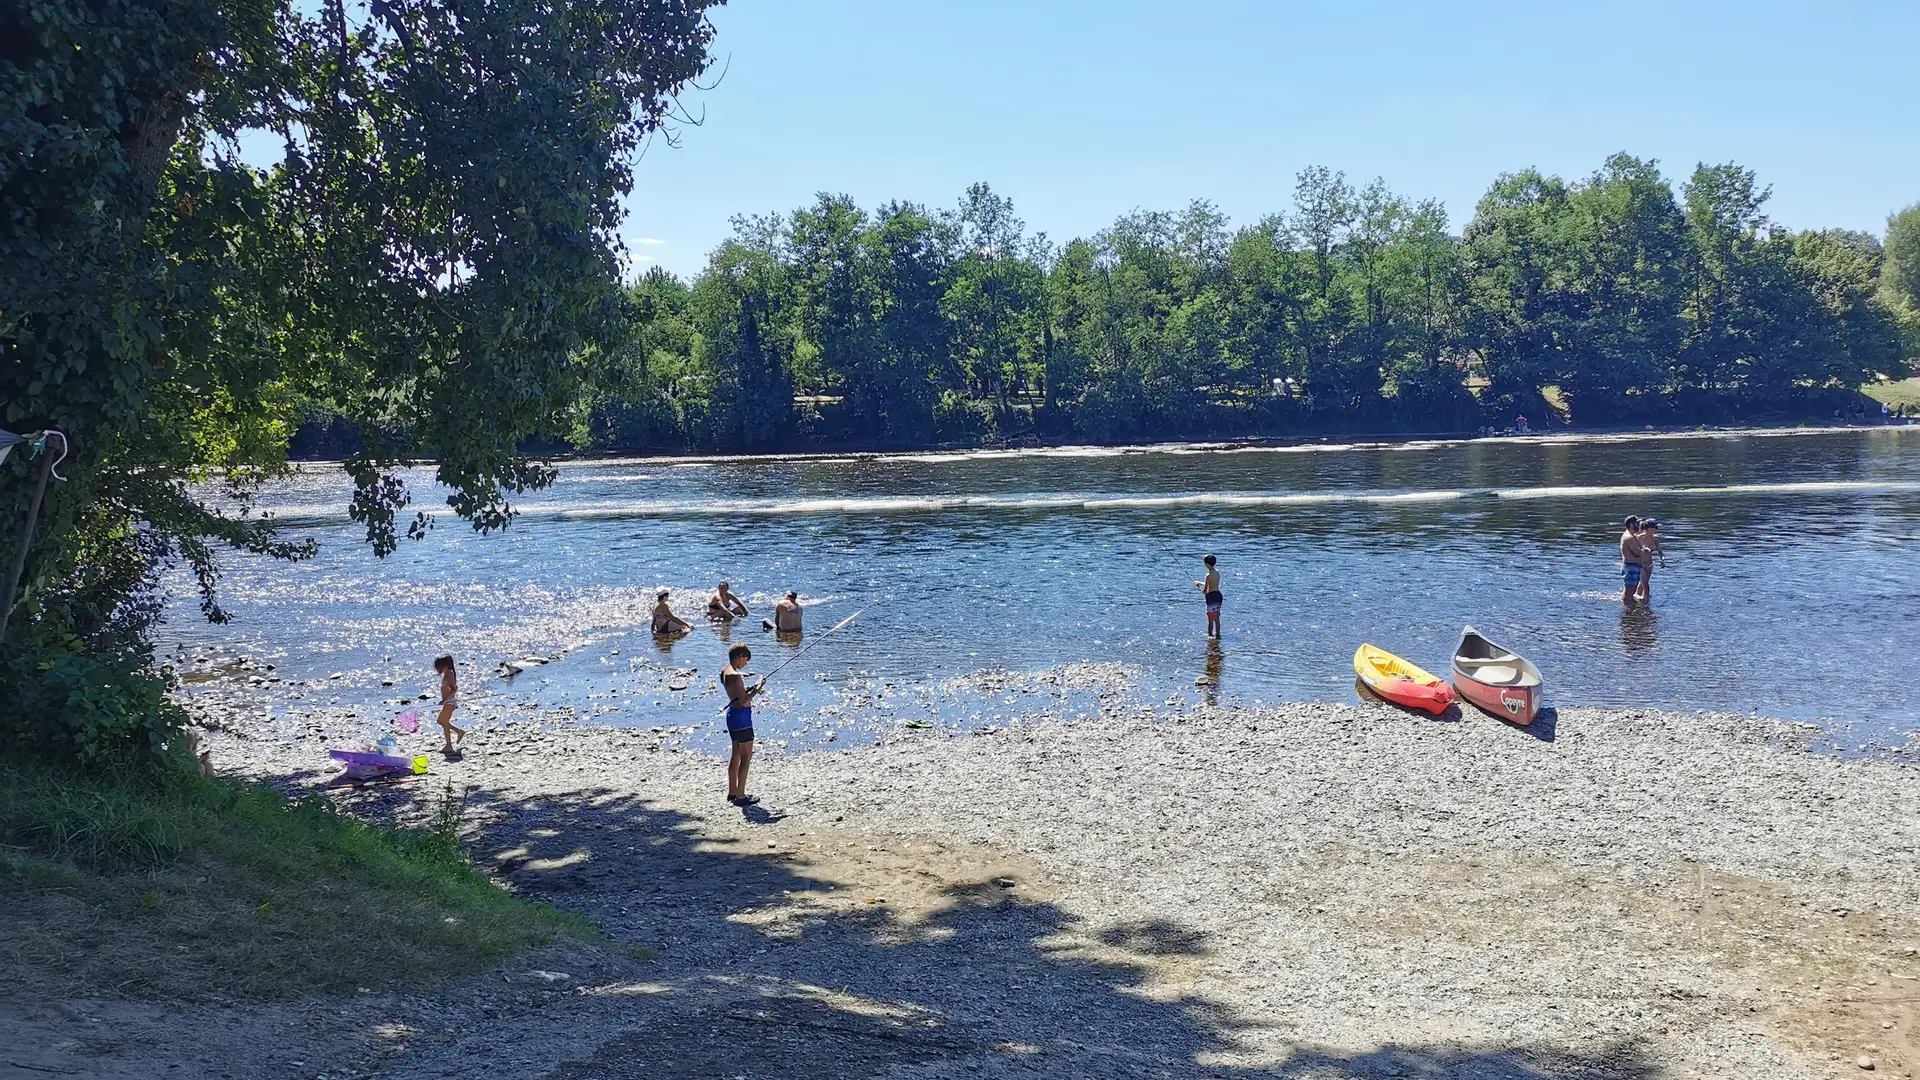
column 26, row 538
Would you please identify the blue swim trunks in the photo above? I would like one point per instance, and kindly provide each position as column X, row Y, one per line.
column 740, row 723
column 1214, row 600
column 1630, row 573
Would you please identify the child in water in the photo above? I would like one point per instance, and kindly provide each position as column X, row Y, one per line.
column 1211, row 586
column 449, row 700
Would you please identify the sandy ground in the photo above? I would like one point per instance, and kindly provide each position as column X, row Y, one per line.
column 1310, row 891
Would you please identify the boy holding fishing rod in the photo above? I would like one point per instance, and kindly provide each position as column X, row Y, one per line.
column 733, row 679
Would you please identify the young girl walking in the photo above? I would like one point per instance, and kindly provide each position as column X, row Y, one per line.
column 449, row 700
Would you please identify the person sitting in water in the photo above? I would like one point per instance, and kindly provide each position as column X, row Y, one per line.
column 1649, row 548
column 664, row 620
column 1631, row 560
column 724, row 605
column 786, row 615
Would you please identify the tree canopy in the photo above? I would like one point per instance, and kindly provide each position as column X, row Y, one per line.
column 215, row 214
column 1610, row 299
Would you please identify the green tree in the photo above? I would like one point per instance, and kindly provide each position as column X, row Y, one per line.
column 908, row 253
column 1623, row 264
column 745, row 336
column 1900, row 276
column 1085, row 364
column 1337, row 375
column 1516, row 312
column 431, row 256
column 642, row 393
column 1261, row 279
column 835, row 301
column 1727, row 232
column 1854, row 337
column 993, row 298
column 1421, row 286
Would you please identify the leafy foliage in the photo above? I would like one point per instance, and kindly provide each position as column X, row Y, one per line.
column 1899, row 288
column 1612, row 298
column 429, row 254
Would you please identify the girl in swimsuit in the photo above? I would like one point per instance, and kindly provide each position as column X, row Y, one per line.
column 449, row 701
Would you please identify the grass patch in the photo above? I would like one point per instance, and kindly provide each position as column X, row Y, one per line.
column 1905, row 392
column 183, row 887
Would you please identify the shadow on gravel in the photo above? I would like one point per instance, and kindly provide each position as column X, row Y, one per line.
column 770, row 968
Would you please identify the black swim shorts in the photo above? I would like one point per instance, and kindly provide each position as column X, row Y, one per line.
column 740, row 734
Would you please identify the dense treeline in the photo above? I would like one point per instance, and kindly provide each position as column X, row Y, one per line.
column 1608, row 300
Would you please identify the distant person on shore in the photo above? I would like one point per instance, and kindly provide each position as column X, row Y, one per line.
column 1632, row 566
column 724, row 605
column 449, row 701
column 733, row 679
column 664, row 620
column 1210, row 585
column 1649, row 550
column 1520, row 424
column 786, row 615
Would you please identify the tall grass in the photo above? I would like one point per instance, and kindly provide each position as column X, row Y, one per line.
column 176, row 885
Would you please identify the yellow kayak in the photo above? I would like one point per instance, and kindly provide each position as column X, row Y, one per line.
column 1401, row 681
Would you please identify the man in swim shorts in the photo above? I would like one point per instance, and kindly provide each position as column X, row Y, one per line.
column 1632, row 560
column 733, row 679
column 1211, row 586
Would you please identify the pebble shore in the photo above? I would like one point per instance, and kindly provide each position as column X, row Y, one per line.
column 1301, row 891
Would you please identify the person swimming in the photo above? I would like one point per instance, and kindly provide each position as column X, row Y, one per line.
column 664, row 620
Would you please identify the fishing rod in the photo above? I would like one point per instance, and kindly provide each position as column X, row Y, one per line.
column 803, row 649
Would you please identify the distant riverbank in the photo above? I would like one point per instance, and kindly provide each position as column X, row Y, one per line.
column 326, row 442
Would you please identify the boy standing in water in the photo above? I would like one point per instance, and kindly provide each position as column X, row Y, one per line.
column 733, row 679
column 449, row 700
column 1211, row 586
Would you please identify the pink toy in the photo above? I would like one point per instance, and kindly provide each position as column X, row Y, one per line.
column 408, row 721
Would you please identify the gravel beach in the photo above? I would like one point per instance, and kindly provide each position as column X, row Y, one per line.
column 1299, row 891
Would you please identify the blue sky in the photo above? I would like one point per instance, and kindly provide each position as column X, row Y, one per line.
column 1081, row 111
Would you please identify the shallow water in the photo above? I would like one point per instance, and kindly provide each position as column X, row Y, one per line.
column 1792, row 586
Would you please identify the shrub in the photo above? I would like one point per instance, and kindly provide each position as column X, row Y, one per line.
column 65, row 704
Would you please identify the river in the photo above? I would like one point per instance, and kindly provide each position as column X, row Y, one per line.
column 996, row 584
